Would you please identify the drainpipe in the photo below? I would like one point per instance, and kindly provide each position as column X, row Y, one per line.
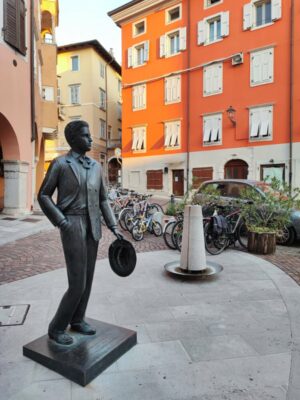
column 291, row 94
column 32, row 96
column 106, row 110
column 188, row 95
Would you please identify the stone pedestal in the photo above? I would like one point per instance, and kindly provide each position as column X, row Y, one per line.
column 15, row 187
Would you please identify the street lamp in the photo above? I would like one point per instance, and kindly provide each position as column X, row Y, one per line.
column 231, row 114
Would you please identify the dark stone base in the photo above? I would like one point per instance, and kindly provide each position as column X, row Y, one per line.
column 88, row 356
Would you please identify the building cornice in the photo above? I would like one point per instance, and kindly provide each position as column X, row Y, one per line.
column 136, row 7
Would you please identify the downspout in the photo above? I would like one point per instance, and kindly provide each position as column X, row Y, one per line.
column 32, row 96
column 106, row 99
column 188, row 97
column 291, row 95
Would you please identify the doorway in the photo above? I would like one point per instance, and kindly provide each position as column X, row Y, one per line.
column 236, row 169
column 178, row 182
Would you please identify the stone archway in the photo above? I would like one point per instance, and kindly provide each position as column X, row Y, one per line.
column 114, row 171
column 236, row 169
column 13, row 180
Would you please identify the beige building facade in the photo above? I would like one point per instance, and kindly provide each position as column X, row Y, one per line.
column 89, row 85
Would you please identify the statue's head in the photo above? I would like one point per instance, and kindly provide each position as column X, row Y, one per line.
column 78, row 136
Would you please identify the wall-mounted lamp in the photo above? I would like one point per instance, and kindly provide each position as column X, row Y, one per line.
column 231, row 114
column 271, row 161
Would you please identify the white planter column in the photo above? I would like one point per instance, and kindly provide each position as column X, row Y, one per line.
column 15, row 187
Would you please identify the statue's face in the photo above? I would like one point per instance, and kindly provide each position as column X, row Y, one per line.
column 82, row 142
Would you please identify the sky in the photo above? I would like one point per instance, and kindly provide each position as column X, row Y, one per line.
column 87, row 20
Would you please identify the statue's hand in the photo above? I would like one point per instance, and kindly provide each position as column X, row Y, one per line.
column 64, row 225
column 117, row 233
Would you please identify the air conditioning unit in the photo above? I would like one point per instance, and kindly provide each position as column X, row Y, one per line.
column 237, row 59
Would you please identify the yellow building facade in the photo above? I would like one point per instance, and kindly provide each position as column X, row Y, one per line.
column 89, row 89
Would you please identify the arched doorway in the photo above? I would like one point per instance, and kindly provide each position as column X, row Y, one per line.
column 236, row 169
column 114, row 171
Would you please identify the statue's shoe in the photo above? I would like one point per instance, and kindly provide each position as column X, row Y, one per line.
column 61, row 337
column 83, row 327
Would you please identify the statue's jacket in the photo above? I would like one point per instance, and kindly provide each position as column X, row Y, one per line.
column 64, row 176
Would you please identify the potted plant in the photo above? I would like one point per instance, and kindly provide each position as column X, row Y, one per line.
column 266, row 214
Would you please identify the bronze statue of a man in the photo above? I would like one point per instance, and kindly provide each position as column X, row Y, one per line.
column 81, row 194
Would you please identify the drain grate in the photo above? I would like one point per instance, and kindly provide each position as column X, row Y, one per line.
column 8, row 219
column 30, row 220
column 13, row 315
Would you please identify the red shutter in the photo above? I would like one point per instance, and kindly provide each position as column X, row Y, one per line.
column 155, row 179
column 14, row 24
column 201, row 175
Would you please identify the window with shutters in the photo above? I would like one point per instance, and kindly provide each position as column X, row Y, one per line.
column 262, row 67
column 155, row 179
column 173, row 89
column 102, row 129
column 14, row 24
column 139, row 28
column 201, row 175
column 210, row 3
column 138, row 55
column 75, row 63
column 261, row 13
column 139, row 97
column 172, row 135
column 261, row 123
column 74, row 94
column 213, row 79
column 138, row 139
column 172, row 43
column 213, row 29
column 48, row 93
column 102, row 99
column 173, row 14
column 212, row 129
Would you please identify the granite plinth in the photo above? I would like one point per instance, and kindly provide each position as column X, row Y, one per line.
column 88, row 356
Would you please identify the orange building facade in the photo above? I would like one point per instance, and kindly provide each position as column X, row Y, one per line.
column 210, row 90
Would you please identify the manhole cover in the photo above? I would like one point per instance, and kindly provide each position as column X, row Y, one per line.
column 13, row 315
column 8, row 219
column 30, row 220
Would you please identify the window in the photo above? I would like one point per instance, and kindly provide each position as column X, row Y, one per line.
column 173, row 14
column 119, row 133
column 139, row 138
column 213, row 29
column 48, row 38
column 58, row 97
column 262, row 67
column 139, row 97
column 173, row 42
column 75, row 118
column 259, row 13
column 119, row 111
column 210, row 3
column 102, row 129
column 109, row 132
column 75, row 63
column 120, row 87
column 102, row 99
column 155, row 179
column 139, row 28
column 201, row 175
column 74, row 94
column 213, row 79
column 173, row 89
column 261, row 123
column 102, row 160
column 138, row 55
column 269, row 171
column 14, row 24
column 212, row 129
column 134, row 179
column 172, row 134
column 48, row 93
column 102, row 70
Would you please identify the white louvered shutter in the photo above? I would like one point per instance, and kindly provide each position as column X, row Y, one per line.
column 225, row 24
column 256, row 60
column 214, row 128
column 266, row 61
column 134, row 97
column 143, row 96
column 174, row 134
column 217, row 78
column 201, row 33
column 146, row 51
column 162, row 47
column 177, row 88
column 276, row 9
column 247, row 19
column 168, row 89
column 254, row 123
column 167, row 135
column 134, row 139
column 206, row 129
column 182, row 39
column 207, row 77
column 129, row 56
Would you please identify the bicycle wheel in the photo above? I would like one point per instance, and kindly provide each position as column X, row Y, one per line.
column 156, row 228
column 129, row 221
column 167, row 235
column 242, row 235
column 214, row 243
column 155, row 207
column 177, row 234
column 137, row 233
column 116, row 210
column 122, row 218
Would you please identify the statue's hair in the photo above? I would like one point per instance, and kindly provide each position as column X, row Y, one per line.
column 72, row 129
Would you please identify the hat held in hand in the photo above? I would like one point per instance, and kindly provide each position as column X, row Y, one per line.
column 122, row 257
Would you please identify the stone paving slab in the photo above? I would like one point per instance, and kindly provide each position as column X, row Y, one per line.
column 231, row 344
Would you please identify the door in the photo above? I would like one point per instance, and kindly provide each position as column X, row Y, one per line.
column 236, row 169
column 178, row 182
